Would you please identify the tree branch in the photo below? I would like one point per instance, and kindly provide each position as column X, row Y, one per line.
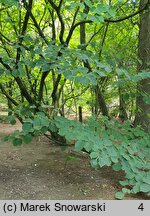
column 44, row 12
column 4, row 46
column 60, row 4
column 6, row 39
column 29, row 12
column 53, row 25
column 22, row 88
column 38, row 28
column 57, row 9
column 95, row 33
column 145, row 7
column 72, row 26
column 24, row 27
column 40, row 95
column 7, row 95
column 5, row 65
column 103, row 40
column 28, row 73
column 53, row 95
column 12, row 23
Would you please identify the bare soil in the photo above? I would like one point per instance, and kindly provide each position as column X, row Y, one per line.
column 40, row 171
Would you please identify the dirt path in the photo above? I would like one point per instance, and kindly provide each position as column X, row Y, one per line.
column 39, row 171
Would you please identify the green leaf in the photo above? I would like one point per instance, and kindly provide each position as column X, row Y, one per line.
column 88, row 3
column 114, row 159
column 81, row 5
column 13, row 121
column 63, row 131
column 139, row 176
column 53, row 127
column 119, row 195
column 117, row 167
column 104, row 161
column 94, row 155
column 17, row 141
column 136, row 187
column 10, row 2
column 92, row 18
column 121, row 71
column 44, row 129
column 132, row 181
column 92, row 79
column 126, row 96
column 125, row 190
column 146, row 99
column 79, row 145
column 147, row 178
column 108, row 143
column 1, row 71
column 100, row 18
column 112, row 12
column 27, row 127
column 37, row 124
column 124, row 183
column 129, row 174
column 112, row 151
column 145, row 187
column 45, row 121
column 28, row 138
column 15, row 73
column 88, row 146
column 6, row 138
column 101, row 8
column 94, row 163
column 82, row 80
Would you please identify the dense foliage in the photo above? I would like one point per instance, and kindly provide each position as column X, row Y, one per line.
column 56, row 56
column 109, row 143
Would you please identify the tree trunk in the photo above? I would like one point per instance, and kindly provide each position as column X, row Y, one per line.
column 143, row 108
column 122, row 107
column 101, row 101
column 10, row 105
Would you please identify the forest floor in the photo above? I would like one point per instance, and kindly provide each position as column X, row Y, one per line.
column 40, row 171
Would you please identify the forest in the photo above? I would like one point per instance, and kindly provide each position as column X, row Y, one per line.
column 77, row 74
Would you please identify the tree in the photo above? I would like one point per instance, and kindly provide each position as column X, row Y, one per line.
column 40, row 54
column 143, row 98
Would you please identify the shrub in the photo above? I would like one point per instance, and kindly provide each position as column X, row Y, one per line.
column 108, row 142
column 111, row 143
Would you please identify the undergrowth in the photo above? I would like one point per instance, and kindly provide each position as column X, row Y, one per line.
column 108, row 142
column 111, row 143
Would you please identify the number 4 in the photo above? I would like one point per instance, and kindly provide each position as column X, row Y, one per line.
column 141, row 207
